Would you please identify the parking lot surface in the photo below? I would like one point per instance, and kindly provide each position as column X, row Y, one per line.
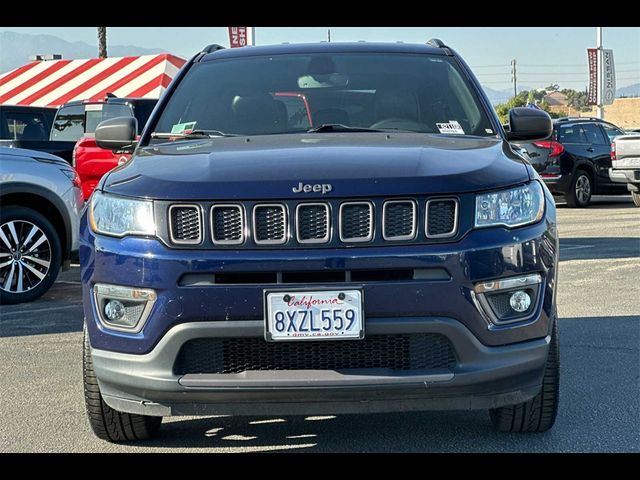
column 42, row 406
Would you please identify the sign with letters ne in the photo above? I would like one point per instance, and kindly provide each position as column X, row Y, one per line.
column 240, row 36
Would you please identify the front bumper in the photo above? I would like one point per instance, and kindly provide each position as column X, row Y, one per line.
column 495, row 364
column 484, row 377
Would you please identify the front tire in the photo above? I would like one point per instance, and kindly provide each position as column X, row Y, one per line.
column 636, row 198
column 30, row 255
column 579, row 195
column 539, row 413
column 109, row 424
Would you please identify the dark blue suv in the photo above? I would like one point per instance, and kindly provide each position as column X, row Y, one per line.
column 326, row 228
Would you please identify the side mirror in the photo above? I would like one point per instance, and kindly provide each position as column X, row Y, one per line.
column 528, row 124
column 117, row 133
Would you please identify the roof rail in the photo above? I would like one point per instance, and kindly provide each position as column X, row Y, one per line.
column 214, row 47
column 573, row 119
column 436, row 42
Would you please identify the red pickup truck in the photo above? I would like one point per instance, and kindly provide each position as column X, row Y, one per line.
column 79, row 119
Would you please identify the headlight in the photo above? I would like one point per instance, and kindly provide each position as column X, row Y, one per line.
column 120, row 216
column 511, row 208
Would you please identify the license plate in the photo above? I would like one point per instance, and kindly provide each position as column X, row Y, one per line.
column 313, row 315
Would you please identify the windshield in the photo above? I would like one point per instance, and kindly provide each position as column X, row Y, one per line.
column 296, row 93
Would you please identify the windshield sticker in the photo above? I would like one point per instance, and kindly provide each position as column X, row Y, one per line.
column 452, row 127
column 488, row 130
column 183, row 127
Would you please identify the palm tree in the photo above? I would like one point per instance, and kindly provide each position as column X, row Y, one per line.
column 102, row 42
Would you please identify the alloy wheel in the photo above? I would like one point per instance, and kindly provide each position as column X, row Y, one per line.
column 583, row 189
column 25, row 256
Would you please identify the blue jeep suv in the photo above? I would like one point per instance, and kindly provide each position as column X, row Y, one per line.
column 326, row 228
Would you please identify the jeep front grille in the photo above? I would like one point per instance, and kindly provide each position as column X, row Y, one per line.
column 356, row 222
column 270, row 224
column 326, row 223
column 186, row 224
column 227, row 224
column 442, row 218
column 399, row 220
column 416, row 351
column 312, row 223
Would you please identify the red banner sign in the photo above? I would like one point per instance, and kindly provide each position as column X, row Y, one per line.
column 592, row 95
column 239, row 37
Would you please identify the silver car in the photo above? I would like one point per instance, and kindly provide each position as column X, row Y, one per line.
column 40, row 206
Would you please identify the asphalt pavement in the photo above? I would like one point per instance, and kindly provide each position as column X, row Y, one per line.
column 42, row 407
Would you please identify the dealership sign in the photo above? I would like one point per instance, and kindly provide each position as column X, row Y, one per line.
column 592, row 97
column 608, row 78
column 607, row 84
column 240, row 36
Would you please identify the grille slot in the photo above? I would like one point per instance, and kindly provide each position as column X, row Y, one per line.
column 312, row 223
column 185, row 224
column 356, row 222
column 442, row 218
column 393, row 352
column 227, row 224
column 269, row 224
column 399, row 220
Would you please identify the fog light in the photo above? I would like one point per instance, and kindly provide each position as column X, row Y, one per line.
column 520, row 301
column 114, row 310
column 123, row 308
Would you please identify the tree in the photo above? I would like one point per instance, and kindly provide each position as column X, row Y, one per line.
column 521, row 100
column 102, row 42
column 577, row 100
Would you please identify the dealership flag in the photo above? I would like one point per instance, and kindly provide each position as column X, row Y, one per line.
column 240, row 36
column 608, row 78
column 592, row 97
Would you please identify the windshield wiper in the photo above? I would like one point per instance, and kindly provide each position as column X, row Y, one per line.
column 193, row 134
column 339, row 127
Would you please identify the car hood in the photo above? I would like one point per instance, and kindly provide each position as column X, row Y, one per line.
column 354, row 164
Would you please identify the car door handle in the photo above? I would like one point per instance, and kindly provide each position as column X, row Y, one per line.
column 590, row 149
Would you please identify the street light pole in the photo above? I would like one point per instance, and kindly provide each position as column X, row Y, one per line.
column 600, row 109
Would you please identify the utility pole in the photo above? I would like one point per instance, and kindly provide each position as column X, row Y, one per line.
column 600, row 109
column 514, row 78
column 329, row 35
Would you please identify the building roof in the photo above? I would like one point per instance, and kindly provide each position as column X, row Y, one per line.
column 53, row 83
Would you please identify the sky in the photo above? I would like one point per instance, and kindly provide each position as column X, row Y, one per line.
column 543, row 55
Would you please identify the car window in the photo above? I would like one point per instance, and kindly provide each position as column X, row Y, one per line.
column 612, row 131
column 594, row 134
column 25, row 125
column 571, row 134
column 142, row 111
column 421, row 93
column 96, row 113
column 69, row 123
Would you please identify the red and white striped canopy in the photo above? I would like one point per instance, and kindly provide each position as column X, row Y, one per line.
column 53, row 83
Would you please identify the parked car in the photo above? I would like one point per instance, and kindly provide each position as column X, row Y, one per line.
column 91, row 161
column 41, row 203
column 403, row 258
column 625, row 164
column 575, row 161
column 29, row 127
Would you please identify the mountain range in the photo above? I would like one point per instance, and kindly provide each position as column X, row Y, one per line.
column 16, row 48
